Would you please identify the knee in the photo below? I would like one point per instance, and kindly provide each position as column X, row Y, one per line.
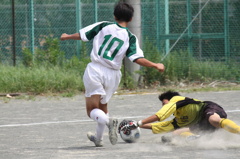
column 89, row 109
column 215, row 120
column 88, row 113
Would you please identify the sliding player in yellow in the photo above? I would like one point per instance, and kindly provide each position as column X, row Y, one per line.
column 190, row 115
column 112, row 42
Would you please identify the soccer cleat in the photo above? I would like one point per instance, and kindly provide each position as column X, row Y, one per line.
column 112, row 126
column 92, row 137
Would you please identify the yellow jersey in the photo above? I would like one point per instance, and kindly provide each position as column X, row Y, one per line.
column 187, row 111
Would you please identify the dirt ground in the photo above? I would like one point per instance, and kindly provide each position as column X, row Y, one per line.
column 56, row 127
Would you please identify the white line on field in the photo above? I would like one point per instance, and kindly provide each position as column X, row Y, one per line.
column 44, row 123
column 77, row 121
column 59, row 122
column 229, row 111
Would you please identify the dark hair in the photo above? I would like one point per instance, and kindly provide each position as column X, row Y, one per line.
column 168, row 95
column 123, row 12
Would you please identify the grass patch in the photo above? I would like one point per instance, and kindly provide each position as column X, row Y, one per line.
column 37, row 80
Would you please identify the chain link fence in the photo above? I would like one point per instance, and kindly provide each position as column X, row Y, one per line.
column 206, row 29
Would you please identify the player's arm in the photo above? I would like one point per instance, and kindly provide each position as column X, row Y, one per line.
column 147, row 63
column 150, row 119
column 166, row 111
column 75, row 36
column 140, row 123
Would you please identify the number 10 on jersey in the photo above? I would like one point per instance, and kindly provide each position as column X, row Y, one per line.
column 110, row 41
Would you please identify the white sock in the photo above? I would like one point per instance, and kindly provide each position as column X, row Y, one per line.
column 99, row 131
column 99, row 116
column 102, row 119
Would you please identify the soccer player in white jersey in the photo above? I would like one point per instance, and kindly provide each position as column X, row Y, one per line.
column 112, row 41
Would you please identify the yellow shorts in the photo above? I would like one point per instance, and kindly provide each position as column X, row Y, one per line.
column 162, row 127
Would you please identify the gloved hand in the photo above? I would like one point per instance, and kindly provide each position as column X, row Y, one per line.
column 124, row 123
column 131, row 125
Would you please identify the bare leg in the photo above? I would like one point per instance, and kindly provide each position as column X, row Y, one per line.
column 103, row 107
column 92, row 103
column 97, row 112
column 215, row 120
column 226, row 124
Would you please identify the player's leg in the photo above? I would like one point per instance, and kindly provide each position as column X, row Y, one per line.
column 104, row 81
column 217, row 118
column 186, row 133
column 211, row 117
column 92, row 103
column 93, row 93
column 101, row 127
column 111, row 123
column 111, row 81
column 94, row 112
column 230, row 126
column 214, row 120
column 181, row 132
column 167, row 126
column 226, row 124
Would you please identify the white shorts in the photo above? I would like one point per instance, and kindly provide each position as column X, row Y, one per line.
column 101, row 80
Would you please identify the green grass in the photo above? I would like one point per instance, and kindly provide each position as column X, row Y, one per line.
column 67, row 81
column 37, row 80
column 179, row 66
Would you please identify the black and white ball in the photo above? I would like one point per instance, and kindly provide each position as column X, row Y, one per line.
column 129, row 136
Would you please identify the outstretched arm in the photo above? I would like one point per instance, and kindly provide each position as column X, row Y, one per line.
column 150, row 119
column 147, row 63
column 145, row 123
column 75, row 36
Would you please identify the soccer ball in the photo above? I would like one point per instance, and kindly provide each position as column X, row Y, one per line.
column 129, row 136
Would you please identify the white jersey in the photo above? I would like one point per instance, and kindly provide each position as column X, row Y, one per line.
column 111, row 43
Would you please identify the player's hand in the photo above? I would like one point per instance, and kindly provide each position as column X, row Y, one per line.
column 133, row 125
column 64, row 36
column 160, row 67
column 130, row 126
column 124, row 127
column 124, row 123
column 126, row 130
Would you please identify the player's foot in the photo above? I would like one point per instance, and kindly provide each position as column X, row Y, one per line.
column 92, row 137
column 112, row 126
